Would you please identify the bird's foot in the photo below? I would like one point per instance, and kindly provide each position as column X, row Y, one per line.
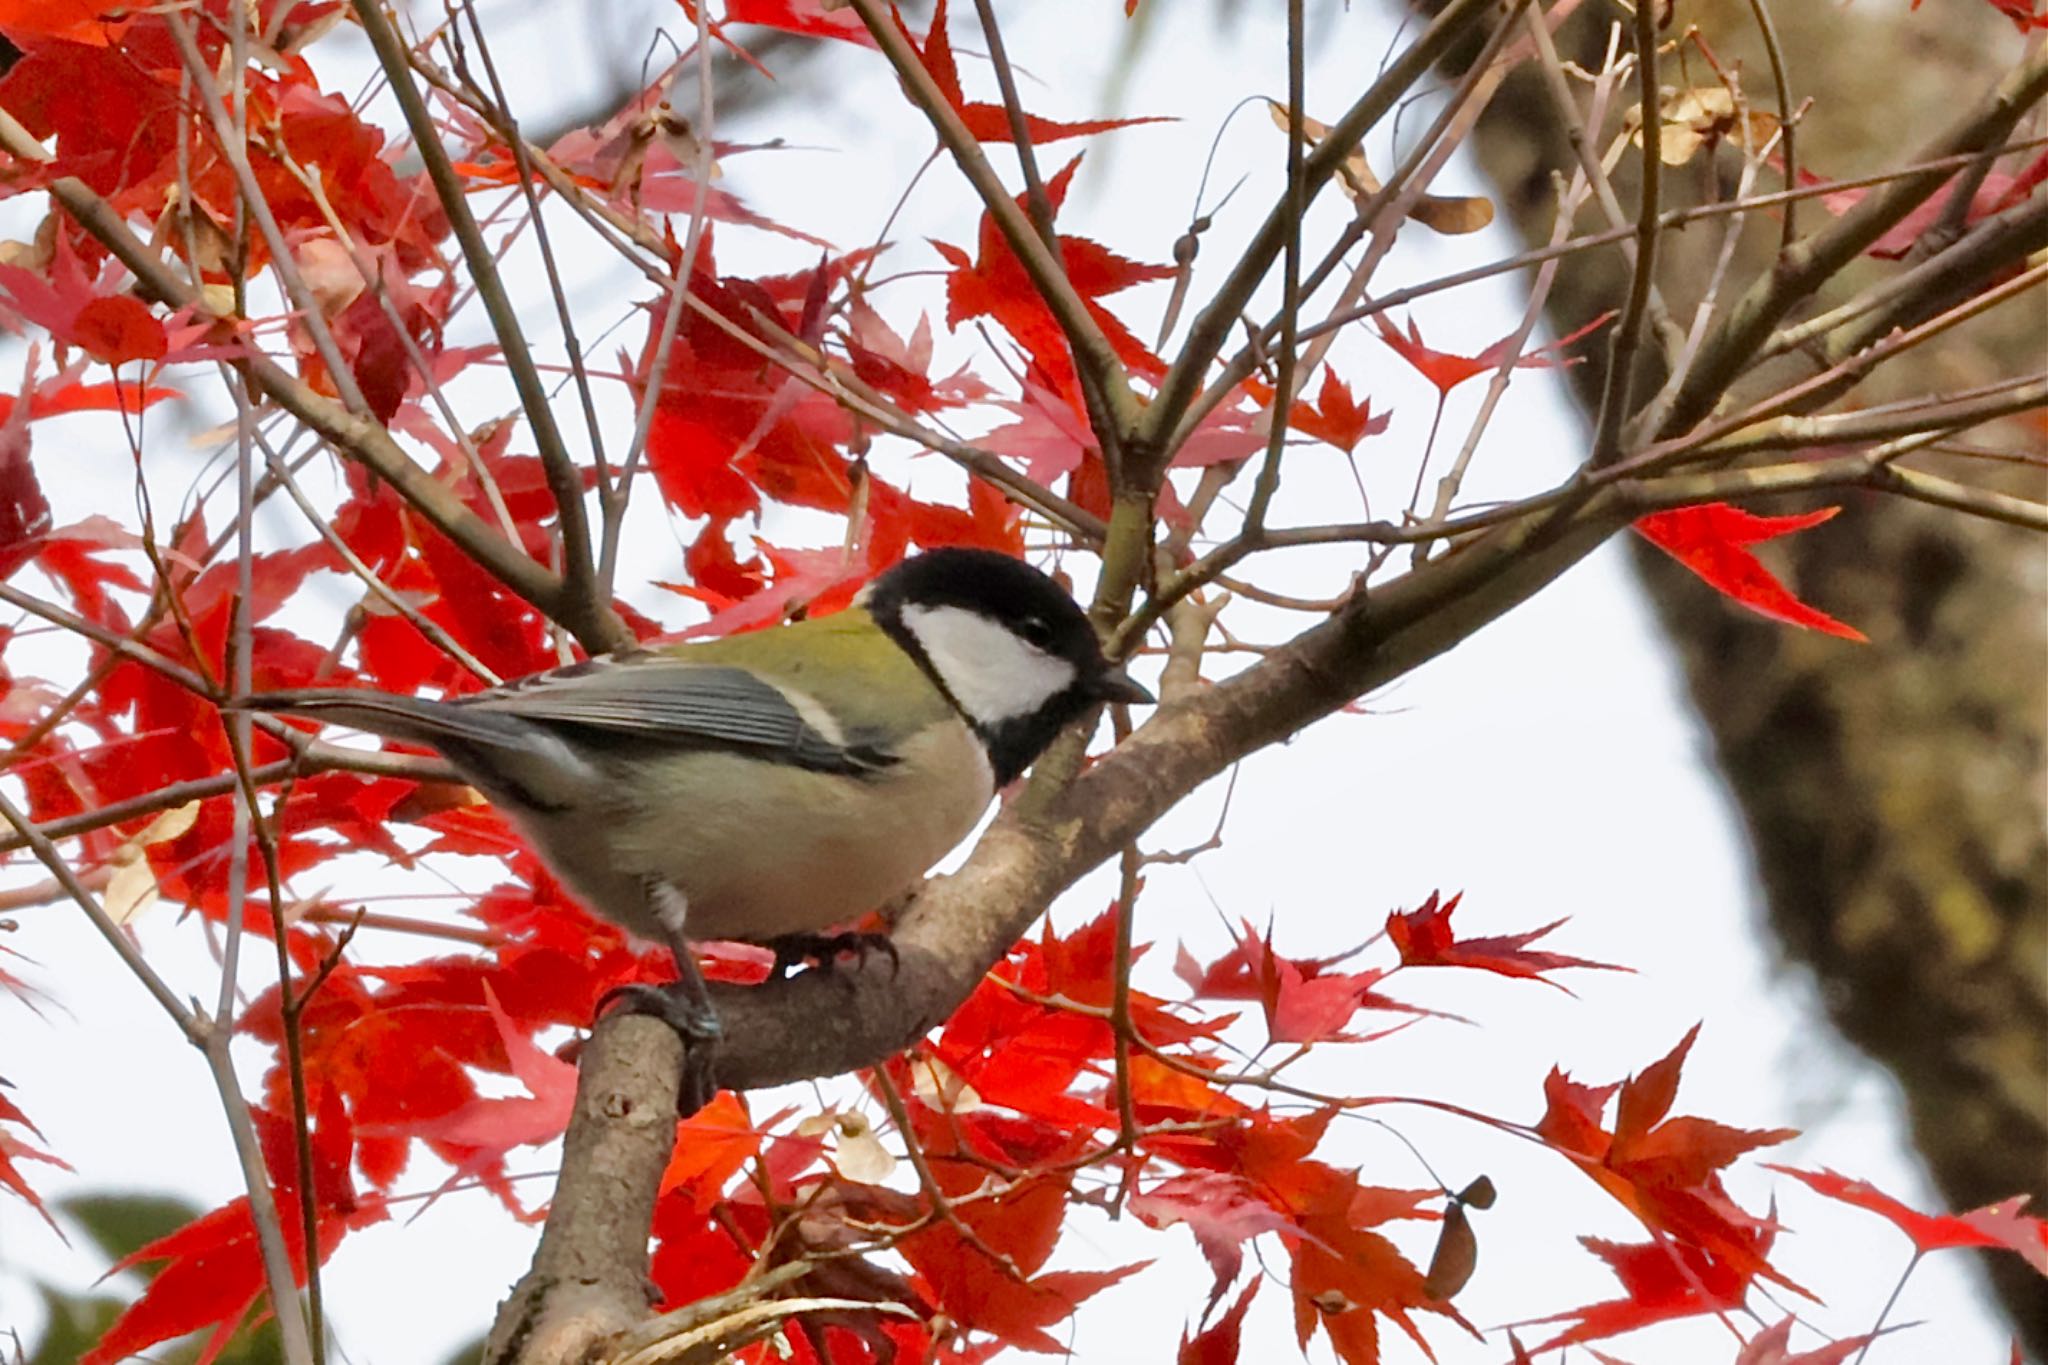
column 682, row 1006
column 825, row 950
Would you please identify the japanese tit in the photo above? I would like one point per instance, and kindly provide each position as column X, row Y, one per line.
column 766, row 786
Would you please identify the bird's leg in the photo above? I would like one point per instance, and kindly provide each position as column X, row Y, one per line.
column 684, row 1004
column 794, row 950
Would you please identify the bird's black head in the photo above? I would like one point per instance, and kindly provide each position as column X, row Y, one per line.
column 1010, row 648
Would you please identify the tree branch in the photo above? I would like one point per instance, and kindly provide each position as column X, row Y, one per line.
column 823, row 1023
column 1214, row 323
column 1801, row 270
column 583, row 606
column 354, row 436
column 1094, row 357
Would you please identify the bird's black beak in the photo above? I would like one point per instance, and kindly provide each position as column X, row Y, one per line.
column 1116, row 685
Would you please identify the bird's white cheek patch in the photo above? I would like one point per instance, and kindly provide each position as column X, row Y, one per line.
column 994, row 675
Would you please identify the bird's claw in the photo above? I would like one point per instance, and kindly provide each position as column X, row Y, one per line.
column 825, row 950
column 693, row 1020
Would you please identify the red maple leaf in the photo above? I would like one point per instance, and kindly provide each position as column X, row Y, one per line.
column 1664, row 1170
column 1337, row 417
column 120, row 328
column 485, row 1129
column 24, row 510
column 2026, row 15
column 1346, row 1276
column 1996, row 192
column 213, row 1272
column 1425, row 939
column 1222, row 1210
column 13, row 1149
column 1017, row 1301
column 1217, row 1343
column 1773, row 1346
column 1661, row 1281
column 1995, row 1225
column 78, row 21
column 994, row 284
column 81, row 311
column 991, row 122
column 1446, row 370
column 1709, row 540
column 809, row 18
column 1303, row 1000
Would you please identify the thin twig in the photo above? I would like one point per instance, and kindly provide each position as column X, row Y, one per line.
column 1617, row 389
column 1822, row 255
column 1212, row 326
column 1092, row 352
column 584, row 606
column 1788, row 116
column 1268, row 481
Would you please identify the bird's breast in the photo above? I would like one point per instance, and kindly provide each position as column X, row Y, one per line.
column 762, row 849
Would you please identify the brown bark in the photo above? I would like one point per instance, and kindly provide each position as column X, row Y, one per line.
column 1894, row 793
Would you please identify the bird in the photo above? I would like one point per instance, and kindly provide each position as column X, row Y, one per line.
column 766, row 786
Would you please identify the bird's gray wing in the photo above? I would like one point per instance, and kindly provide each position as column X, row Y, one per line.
column 660, row 700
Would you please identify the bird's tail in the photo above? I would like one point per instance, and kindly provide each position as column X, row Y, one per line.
column 416, row 720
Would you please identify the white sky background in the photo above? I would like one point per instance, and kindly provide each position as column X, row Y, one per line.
column 1548, row 767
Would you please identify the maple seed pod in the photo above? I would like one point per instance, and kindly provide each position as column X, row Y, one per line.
column 1457, row 1254
column 1479, row 1194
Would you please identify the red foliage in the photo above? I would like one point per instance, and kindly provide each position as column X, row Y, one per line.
column 1995, row 1225
column 991, row 122
column 213, row 1271
column 1054, row 1085
column 1666, row 1171
column 1424, row 939
column 1710, row 541
column 994, row 284
column 14, row 1149
column 1446, row 371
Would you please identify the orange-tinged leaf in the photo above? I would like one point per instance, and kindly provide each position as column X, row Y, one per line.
column 1447, row 370
column 1337, row 417
column 1013, row 1301
column 711, row 1146
column 1646, row 1097
column 994, row 284
column 1346, row 1278
column 1665, row 1171
column 1709, row 540
column 1660, row 1281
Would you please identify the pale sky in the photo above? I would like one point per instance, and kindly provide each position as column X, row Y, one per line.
column 1548, row 767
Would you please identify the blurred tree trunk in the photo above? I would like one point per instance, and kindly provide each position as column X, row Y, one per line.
column 1894, row 793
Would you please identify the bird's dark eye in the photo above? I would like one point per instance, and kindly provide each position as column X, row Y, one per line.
column 1036, row 631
